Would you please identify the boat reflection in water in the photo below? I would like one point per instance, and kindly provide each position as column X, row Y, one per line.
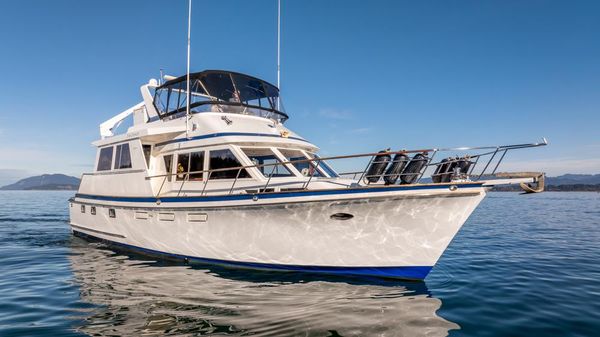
column 136, row 296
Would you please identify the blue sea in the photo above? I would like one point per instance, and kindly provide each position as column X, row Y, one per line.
column 523, row 265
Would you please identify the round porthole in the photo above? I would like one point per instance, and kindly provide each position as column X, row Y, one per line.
column 453, row 187
column 341, row 216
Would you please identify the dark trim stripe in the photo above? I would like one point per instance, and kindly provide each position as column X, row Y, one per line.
column 273, row 195
column 225, row 134
column 97, row 231
column 283, row 203
column 405, row 272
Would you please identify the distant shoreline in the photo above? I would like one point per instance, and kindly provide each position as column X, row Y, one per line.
column 554, row 188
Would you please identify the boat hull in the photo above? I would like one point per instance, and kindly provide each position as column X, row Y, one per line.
column 386, row 233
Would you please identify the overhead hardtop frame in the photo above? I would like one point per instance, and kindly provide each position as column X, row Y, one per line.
column 221, row 88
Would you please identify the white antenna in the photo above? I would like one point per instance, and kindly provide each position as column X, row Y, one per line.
column 187, row 108
column 278, row 49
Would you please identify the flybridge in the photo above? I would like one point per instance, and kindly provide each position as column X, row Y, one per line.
column 219, row 91
column 210, row 91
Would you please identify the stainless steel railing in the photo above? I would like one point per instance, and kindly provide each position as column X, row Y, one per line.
column 489, row 153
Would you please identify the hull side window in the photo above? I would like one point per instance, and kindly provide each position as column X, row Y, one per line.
column 123, row 157
column 147, row 152
column 221, row 159
column 105, row 159
column 190, row 162
column 196, row 164
column 168, row 165
column 183, row 165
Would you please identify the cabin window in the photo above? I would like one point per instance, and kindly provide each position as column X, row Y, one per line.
column 190, row 162
column 273, row 166
column 306, row 168
column 183, row 165
column 196, row 165
column 93, row 210
column 168, row 166
column 82, row 208
column 147, row 153
column 325, row 167
column 123, row 157
column 105, row 159
column 112, row 213
column 221, row 159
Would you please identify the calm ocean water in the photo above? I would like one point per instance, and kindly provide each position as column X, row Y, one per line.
column 523, row 265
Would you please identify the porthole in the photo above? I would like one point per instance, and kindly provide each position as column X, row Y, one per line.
column 112, row 213
column 82, row 208
column 341, row 216
column 93, row 210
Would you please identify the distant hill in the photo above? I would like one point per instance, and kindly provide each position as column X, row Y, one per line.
column 45, row 182
column 574, row 179
column 565, row 183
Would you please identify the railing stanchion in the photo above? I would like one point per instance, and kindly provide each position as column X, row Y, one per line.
column 313, row 173
column 499, row 161
column 426, row 166
column 185, row 178
column 474, row 164
column 487, row 164
column 365, row 170
column 161, row 186
column 236, row 178
column 269, row 180
column 205, row 183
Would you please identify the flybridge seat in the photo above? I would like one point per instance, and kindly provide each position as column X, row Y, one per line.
column 219, row 91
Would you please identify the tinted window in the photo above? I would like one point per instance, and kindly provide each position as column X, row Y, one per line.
column 183, row 165
column 123, row 157
column 197, row 164
column 220, row 159
column 147, row 153
column 306, row 168
column 105, row 159
column 273, row 167
column 190, row 162
column 168, row 165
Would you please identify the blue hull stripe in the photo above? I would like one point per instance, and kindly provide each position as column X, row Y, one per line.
column 408, row 272
column 225, row 134
column 275, row 195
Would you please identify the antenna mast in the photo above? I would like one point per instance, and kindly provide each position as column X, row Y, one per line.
column 278, row 49
column 187, row 108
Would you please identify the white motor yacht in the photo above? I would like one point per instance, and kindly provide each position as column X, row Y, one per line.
column 213, row 175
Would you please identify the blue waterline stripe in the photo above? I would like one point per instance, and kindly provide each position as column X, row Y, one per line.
column 224, row 134
column 406, row 272
column 275, row 195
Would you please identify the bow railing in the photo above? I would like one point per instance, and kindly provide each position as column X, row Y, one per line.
column 467, row 163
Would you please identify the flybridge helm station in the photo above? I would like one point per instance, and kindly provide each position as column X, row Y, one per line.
column 219, row 91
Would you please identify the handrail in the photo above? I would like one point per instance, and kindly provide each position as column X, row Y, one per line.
column 315, row 166
column 368, row 154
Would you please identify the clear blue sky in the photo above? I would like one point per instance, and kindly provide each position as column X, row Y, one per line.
column 356, row 75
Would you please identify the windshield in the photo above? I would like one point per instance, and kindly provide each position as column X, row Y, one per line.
column 323, row 165
column 220, row 91
column 306, row 168
column 268, row 164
